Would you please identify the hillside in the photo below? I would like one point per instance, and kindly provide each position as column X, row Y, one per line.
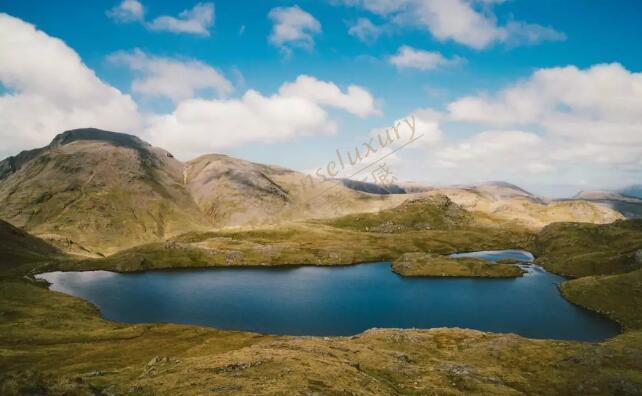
column 506, row 202
column 576, row 249
column 103, row 190
column 17, row 247
column 95, row 192
column 232, row 191
column 509, row 203
column 629, row 206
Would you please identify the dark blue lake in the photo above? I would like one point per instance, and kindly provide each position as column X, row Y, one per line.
column 343, row 300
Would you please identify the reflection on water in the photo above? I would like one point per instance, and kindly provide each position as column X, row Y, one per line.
column 338, row 300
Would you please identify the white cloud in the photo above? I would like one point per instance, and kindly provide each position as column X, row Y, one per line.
column 458, row 20
column 176, row 79
column 411, row 58
column 601, row 104
column 293, row 27
column 298, row 109
column 365, row 30
column 51, row 90
column 355, row 100
column 127, row 11
column 498, row 151
column 586, row 124
column 197, row 21
column 522, row 33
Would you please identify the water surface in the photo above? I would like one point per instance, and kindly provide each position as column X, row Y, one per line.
column 344, row 300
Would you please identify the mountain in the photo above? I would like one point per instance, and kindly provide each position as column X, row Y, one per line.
column 502, row 190
column 95, row 192
column 633, row 191
column 508, row 202
column 628, row 205
column 372, row 188
column 232, row 191
column 103, row 190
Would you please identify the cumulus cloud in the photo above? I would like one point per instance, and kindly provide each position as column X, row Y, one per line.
column 579, row 123
column 498, row 151
column 458, row 20
column 127, row 11
column 365, row 30
column 601, row 104
column 176, row 79
column 297, row 109
column 196, row 20
column 49, row 90
column 355, row 100
column 411, row 58
column 293, row 28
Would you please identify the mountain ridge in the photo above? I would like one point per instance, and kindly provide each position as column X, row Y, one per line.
column 102, row 191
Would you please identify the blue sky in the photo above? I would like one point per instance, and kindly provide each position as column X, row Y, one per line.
column 501, row 49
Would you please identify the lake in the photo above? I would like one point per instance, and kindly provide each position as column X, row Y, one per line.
column 341, row 300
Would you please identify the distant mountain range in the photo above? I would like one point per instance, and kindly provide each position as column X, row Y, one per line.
column 96, row 192
column 627, row 204
column 632, row 191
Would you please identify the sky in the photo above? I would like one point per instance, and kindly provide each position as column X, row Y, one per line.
column 544, row 94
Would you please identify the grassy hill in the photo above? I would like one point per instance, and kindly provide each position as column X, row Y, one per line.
column 104, row 190
column 581, row 249
column 18, row 250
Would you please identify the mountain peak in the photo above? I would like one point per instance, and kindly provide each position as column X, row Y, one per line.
column 116, row 138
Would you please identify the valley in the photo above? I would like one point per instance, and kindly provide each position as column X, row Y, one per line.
column 98, row 200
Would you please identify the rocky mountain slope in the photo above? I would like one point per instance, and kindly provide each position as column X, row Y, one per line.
column 231, row 191
column 510, row 203
column 95, row 192
column 103, row 190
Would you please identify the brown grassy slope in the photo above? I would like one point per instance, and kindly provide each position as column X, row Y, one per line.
column 341, row 241
column 105, row 191
column 617, row 296
column 580, row 249
column 18, row 248
column 606, row 258
column 232, row 191
column 436, row 212
column 512, row 204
